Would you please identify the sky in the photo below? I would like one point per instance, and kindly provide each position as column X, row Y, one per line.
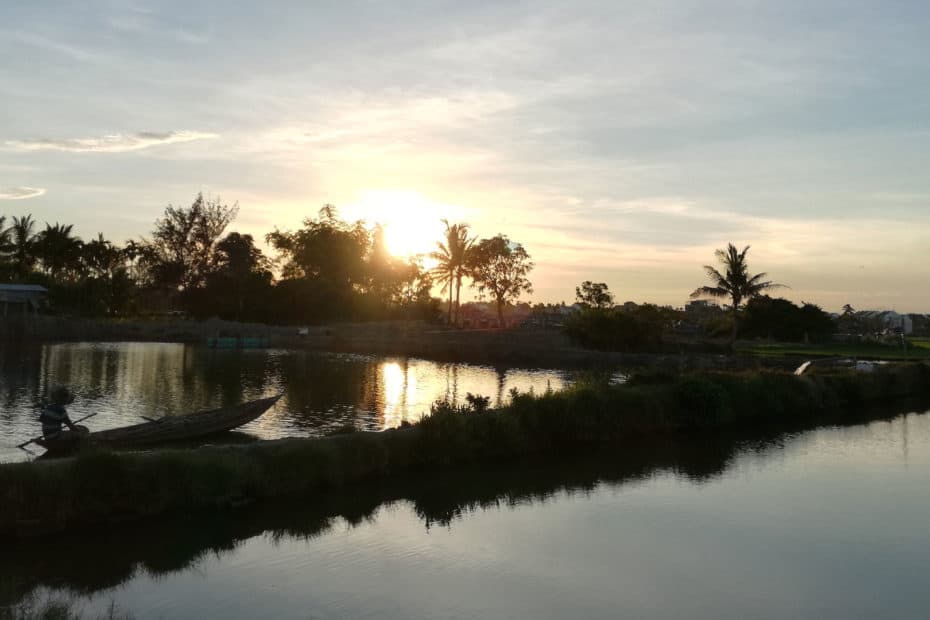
column 617, row 141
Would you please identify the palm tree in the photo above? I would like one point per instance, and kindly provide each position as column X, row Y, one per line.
column 23, row 242
column 736, row 283
column 6, row 246
column 58, row 250
column 452, row 262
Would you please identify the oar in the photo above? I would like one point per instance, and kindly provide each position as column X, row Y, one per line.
column 34, row 439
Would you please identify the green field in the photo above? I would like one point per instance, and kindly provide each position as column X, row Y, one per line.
column 918, row 349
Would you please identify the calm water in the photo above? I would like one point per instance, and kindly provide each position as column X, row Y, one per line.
column 826, row 524
column 125, row 381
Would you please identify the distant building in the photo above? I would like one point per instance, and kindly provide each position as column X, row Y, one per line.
column 21, row 299
column 889, row 320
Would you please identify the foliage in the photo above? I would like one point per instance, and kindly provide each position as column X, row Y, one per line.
column 333, row 269
column 782, row 320
column 594, row 294
column 616, row 329
column 500, row 267
column 237, row 283
column 735, row 283
column 180, row 253
column 453, row 262
column 58, row 251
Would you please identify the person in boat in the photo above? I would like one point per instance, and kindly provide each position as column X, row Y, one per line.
column 55, row 415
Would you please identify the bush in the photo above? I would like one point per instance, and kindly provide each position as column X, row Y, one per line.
column 613, row 329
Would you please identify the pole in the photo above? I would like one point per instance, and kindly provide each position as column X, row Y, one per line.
column 34, row 439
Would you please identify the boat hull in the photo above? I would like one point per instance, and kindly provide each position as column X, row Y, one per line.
column 164, row 430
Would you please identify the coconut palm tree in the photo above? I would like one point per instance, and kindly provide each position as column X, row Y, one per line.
column 5, row 237
column 58, row 250
column 6, row 246
column 735, row 283
column 452, row 258
column 23, row 241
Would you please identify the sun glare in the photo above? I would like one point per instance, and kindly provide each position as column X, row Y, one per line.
column 411, row 222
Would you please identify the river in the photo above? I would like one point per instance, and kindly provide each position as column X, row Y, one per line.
column 125, row 382
column 830, row 523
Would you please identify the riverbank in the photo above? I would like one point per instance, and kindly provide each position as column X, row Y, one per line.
column 97, row 489
column 534, row 348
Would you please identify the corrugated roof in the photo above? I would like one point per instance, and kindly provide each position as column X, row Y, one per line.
column 23, row 288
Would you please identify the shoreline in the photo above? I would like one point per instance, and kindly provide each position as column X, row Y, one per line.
column 100, row 488
column 530, row 348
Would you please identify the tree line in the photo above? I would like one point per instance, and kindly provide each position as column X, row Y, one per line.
column 750, row 312
column 328, row 269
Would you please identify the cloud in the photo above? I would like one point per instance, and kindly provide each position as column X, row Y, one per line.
column 113, row 143
column 20, row 193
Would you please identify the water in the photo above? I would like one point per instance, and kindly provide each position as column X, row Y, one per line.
column 825, row 524
column 125, row 381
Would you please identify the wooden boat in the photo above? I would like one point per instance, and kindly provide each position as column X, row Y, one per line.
column 164, row 430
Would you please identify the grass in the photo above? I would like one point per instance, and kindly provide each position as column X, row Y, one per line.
column 918, row 349
column 98, row 488
column 55, row 608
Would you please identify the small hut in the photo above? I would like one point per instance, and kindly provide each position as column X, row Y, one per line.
column 21, row 299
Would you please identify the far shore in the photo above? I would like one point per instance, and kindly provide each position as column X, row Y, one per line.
column 537, row 348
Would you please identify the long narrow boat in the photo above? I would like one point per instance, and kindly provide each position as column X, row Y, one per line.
column 164, row 430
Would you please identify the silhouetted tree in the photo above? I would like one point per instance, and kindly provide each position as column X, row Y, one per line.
column 23, row 242
column 58, row 251
column 239, row 281
column 325, row 266
column 735, row 283
column 781, row 319
column 180, row 253
column 500, row 267
column 453, row 263
column 594, row 294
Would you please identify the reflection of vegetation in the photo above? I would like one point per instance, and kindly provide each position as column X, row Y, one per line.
column 101, row 487
column 32, row 607
column 104, row 559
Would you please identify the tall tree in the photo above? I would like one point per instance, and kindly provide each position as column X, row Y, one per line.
column 594, row 294
column 180, row 253
column 500, row 267
column 23, row 242
column 327, row 249
column 734, row 283
column 240, row 273
column 6, row 246
column 58, row 251
column 453, row 263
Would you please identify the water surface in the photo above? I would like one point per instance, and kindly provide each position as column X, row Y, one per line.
column 825, row 524
column 125, row 381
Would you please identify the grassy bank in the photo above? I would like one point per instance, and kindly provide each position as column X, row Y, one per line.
column 918, row 349
column 100, row 488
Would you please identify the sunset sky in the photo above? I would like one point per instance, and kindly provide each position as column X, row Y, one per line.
column 618, row 141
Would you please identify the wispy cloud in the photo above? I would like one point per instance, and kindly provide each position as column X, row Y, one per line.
column 20, row 193
column 114, row 143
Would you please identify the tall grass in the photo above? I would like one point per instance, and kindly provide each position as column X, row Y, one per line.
column 104, row 487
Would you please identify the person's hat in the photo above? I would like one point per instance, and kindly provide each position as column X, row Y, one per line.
column 61, row 395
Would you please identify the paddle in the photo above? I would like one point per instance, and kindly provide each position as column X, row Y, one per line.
column 34, row 439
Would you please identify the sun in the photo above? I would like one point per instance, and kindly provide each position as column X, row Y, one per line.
column 411, row 222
